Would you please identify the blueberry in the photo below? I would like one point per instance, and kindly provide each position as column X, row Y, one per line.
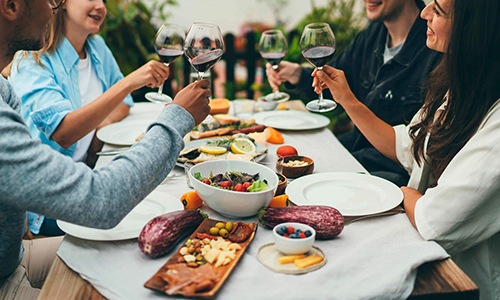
column 308, row 233
column 297, row 231
column 294, row 236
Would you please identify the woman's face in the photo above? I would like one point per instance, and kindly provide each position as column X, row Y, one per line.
column 438, row 16
column 85, row 16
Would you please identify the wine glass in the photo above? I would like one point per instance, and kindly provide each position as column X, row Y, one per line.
column 317, row 44
column 204, row 47
column 273, row 48
column 169, row 43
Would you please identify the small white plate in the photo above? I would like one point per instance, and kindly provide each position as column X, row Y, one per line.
column 269, row 256
column 291, row 120
column 123, row 133
column 353, row 194
column 130, row 227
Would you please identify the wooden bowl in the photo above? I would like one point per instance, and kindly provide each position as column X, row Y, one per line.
column 282, row 183
column 295, row 171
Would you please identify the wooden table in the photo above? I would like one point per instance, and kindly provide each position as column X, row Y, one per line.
column 435, row 280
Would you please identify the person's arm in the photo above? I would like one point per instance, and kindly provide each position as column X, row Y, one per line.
column 464, row 208
column 44, row 181
column 80, row 122
column 410, row 198
column 377, row 132
column 116, row 115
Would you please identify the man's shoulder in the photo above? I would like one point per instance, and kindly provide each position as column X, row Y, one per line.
column 7, row 95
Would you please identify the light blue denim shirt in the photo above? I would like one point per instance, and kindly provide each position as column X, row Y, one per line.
column 49, row 92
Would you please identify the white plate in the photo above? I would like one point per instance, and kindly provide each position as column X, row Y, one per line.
column 352, row 194
column 130, row 227
column 291, row 120
column 123, row 133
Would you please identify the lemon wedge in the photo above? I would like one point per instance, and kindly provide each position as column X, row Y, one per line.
column 243, row 146
column 213, row 149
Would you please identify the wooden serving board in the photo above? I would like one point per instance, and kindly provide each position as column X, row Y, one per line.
column 158, row 283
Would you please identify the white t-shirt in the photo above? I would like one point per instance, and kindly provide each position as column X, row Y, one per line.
column 90, row 89
column 462, row 213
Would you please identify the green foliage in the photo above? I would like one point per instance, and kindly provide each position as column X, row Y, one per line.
column 129, row 32
column 343, row 20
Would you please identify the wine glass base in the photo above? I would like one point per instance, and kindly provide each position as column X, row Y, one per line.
column 321, row 106
column 158, row 98
column 277, row 97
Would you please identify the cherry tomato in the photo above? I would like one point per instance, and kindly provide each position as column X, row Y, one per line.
column 246, row 185
column 206, row 181
column 226, row 184
column 239, row 188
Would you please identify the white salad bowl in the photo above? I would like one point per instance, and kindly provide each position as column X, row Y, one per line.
column 230, row 203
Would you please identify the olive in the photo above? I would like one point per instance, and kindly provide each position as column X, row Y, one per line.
column 220, row 225
column 223, row 232
column 214, row 231
column 229, row 226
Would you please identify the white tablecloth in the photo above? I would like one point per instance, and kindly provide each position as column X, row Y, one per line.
column 371, row 259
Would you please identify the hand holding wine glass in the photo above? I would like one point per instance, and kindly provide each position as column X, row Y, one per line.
column 273, row 48
column 318, row 46
column 204, row 47
column 168, row 43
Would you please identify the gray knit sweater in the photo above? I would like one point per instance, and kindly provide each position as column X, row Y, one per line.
column 33, row 177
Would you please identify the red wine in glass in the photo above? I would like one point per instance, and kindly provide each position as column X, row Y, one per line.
column 204, row 47
column 318, row 46
column 205, row 61
column 169, row 55
column 273, row 48
column 319, row 56
column 274, row 58
column 168, row 43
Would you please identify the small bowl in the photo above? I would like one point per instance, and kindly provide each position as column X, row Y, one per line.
column 297, row 171
column 283, row 182
column 230, row 203
column 266, row 105
column 294, row 245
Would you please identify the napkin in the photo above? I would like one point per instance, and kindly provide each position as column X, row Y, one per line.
column 373, row 259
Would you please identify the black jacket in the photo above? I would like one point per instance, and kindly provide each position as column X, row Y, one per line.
column 393, row 91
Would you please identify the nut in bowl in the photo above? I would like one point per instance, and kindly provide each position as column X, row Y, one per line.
column 295, row 166
column 300, row 241
column 228, row 201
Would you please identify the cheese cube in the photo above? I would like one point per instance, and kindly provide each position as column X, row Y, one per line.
column 287, row 259
column 308, row 261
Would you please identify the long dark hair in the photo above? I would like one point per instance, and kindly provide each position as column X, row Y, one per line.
column 470, row 73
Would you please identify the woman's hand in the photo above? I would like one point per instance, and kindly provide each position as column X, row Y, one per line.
column 286, row 72
column 194, row 99
column 335, row 81
column 152, row 74
column 410, row 198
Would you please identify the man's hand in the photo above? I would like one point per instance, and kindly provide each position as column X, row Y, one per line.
column 195, row 98
column 286, row 72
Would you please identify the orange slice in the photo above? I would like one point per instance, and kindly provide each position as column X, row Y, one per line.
column 275, row 137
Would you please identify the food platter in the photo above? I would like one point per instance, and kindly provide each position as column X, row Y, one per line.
column 353, row 194
column 170, row 277
column 124, row 133
column 260, row 153
column 153, row 205
column 291, row 120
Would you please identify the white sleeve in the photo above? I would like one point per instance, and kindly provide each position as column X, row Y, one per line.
column 464, row 208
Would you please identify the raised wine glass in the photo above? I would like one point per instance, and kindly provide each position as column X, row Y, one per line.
column 317, row 44
column 273, row 48
column 169, row 43
column 204, row 47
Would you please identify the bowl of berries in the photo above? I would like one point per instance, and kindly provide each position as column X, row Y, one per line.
column 294, row 238
column 234, row 188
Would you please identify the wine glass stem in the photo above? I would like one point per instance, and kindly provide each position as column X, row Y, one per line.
column 320, row 95
column 160, row 88
column 201, row 75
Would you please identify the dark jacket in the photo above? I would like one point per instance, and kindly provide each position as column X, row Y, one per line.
column 393, row 91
